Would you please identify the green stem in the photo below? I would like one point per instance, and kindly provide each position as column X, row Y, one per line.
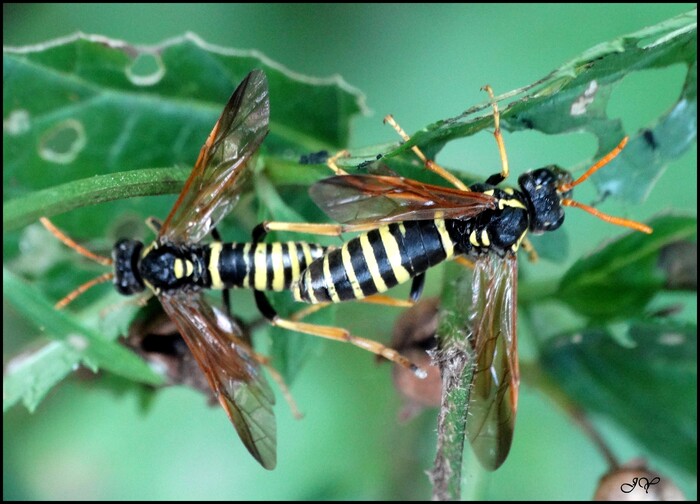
column 456, row 369
column 24, row 210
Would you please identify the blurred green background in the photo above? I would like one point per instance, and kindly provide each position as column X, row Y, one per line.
column 422, row 64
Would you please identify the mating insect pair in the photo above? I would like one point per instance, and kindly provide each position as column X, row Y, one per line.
column 406, row 227
column 176, row 267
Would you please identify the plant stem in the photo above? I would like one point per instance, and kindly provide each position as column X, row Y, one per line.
column 455, row 362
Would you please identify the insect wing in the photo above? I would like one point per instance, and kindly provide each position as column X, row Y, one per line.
column 376, row 198
column 494, row 392
column 213, row 186
column 231, row 370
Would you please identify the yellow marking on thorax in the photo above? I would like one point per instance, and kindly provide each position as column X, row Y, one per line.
column 489, row 192
column 144, row 253
column 213, row 266
column 473, row 240
column 485, row 238
column 393, row 254
column 509, row 190
column 183, row 268
column 350, row 272
column 146, row 250
column 178, row 269
column 516, row 245
column 372, row 265
column 447, row 243
column 511, row 202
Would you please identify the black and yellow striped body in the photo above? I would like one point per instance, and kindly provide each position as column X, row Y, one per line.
column 375, row 261
column 260, row 266
column 166, row 267
column 392, row 254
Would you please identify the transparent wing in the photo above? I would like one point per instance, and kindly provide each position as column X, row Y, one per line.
column 212, row 189
column 377, row 198
column 231, row 370
column 493, row 400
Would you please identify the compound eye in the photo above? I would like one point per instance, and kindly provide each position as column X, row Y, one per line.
column 125, row 255
column 544, row 176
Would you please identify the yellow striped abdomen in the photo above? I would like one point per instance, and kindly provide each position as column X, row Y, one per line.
column 375, row 261
column 260, row 266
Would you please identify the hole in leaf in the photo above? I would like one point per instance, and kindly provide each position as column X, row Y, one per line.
column 642, row 97
column 16, row 123
column 64, row 142
column 146, row 70
column 39, row 252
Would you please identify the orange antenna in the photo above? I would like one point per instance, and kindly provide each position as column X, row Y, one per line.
column 602, row 162
column 618, row 221
column 105, row 261
column 87, row 285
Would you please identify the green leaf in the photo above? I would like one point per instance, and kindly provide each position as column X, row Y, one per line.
column 618, row 280
column 87, row 105
column 554, row 247
column 575, row 97
column 650, row 389
column 31, row 378
column 82, row 106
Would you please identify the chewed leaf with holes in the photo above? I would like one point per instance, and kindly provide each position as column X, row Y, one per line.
column 87, row 105
column 88, row 120
column 575, row 98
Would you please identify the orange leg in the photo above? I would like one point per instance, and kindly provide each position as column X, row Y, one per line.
column 265, row 362
column 331, row 163
column 340, row 334
column 530, row 249
column 375, row 299
column 304, row 227
column 463, row 261
column 497, row 133
column 428, row 163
